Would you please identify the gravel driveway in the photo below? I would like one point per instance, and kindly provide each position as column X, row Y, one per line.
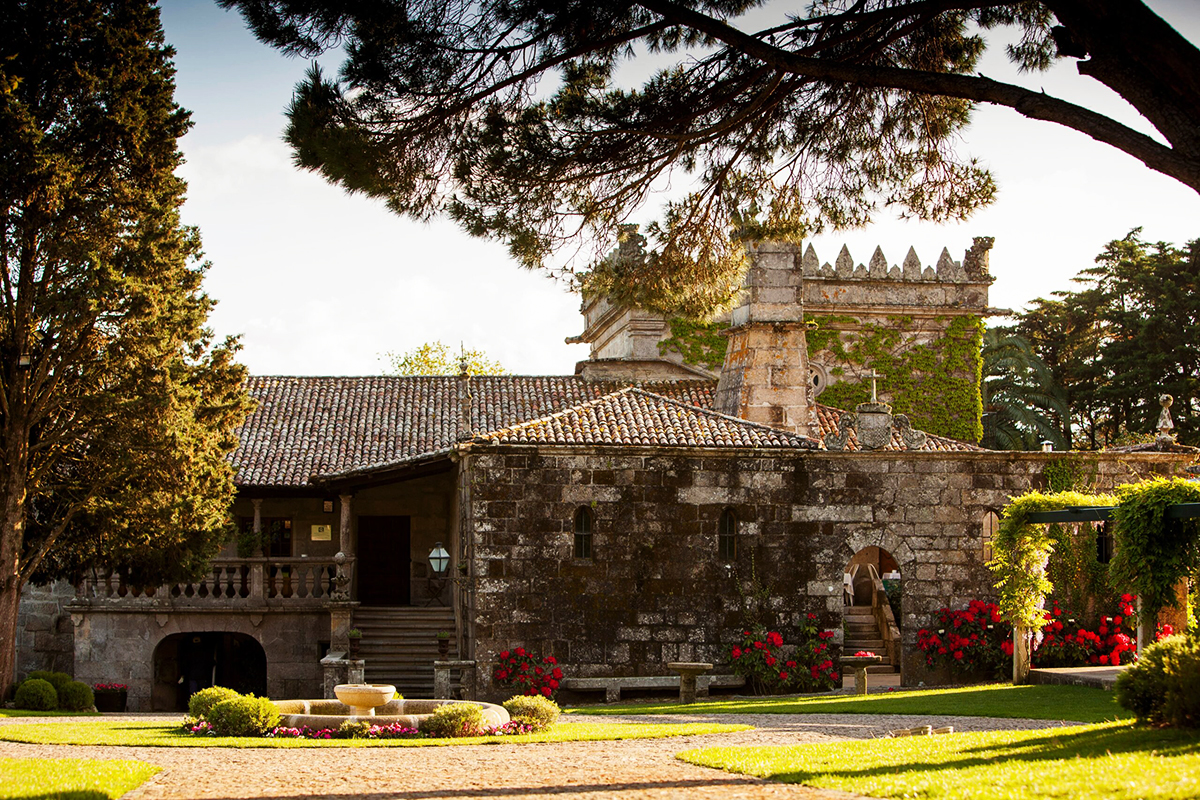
column 624, row 770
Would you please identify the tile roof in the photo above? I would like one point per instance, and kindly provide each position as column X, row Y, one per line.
column 632, row 416
column 828, row 418
column 320, row 425
column 305, row 426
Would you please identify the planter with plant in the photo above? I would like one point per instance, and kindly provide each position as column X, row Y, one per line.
column 111, row 697
column 354, row 639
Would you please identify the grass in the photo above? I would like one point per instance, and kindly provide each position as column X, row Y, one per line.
column 1075, row 703
column 152, row 734
column 71, row 778
column 22, row 712
column 1112, row 760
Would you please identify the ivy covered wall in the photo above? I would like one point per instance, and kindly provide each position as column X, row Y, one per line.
column 934, row 382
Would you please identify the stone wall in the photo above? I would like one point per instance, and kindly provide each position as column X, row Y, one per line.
column 118, row 646
column 655, row 591
column 44, row 633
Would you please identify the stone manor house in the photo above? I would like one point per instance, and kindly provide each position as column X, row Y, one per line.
column 616, row 518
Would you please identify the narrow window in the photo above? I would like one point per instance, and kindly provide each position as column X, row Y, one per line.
column 991, row 526
column 727, row 536
column 583, row 533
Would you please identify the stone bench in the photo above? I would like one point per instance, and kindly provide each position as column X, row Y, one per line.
column 612, row 687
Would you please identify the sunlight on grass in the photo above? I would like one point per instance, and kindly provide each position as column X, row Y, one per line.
column 158, row 734
column 21, row 712
column 1074, row 703
column 1110, row 760
column 71, row 778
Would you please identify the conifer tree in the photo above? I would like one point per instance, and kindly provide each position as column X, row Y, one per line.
column 116, row 408
column 518, row 118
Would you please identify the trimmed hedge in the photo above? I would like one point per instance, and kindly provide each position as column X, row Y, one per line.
column 202, row 701
column 243, row 715
column 1164, row 685
column 36, row 694
column 540, row 712
column 55, row 679
column 453, row 720
column 76, row 696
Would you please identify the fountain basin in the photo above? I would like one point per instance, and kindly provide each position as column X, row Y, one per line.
column 318, row 714
column 364, row 698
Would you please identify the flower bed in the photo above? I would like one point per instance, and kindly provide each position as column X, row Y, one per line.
column 771, row 667
column 976, row 640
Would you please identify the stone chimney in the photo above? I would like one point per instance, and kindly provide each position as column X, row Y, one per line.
column 766, row 378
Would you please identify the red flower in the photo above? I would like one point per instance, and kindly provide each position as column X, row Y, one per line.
column 812, row 616
column 503, row 654
column 958, row 654
column 537, row 670
column 546, row 691
column 553, row 684
column 775, row 639
column 520, row 651
column 550, row 660
column 1128, row 598
column 737, row 652
column 1117, row 620
column 770, row 661
column 783, row 676
column 557, row 673
column 1007, row 647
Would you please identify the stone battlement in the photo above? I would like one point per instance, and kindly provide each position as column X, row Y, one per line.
column 972, row 269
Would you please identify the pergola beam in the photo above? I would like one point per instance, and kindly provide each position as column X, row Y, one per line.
column 1104, row 513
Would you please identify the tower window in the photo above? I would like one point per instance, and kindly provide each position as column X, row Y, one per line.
column 727, row 536
column 583, row 533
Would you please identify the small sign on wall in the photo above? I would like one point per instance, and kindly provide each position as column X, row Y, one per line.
column 322, row 533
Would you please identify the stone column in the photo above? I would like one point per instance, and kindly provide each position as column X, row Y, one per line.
column 257, row 503
column 346, row 528
column 257, row 584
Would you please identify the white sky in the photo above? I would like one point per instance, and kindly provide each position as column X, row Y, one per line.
column 322, row 283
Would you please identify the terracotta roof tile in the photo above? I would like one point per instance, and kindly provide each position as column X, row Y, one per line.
column 632, row 416
column 828, row 418
column 305, row 426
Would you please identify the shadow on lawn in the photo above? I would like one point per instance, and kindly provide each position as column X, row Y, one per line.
column 1051, row 746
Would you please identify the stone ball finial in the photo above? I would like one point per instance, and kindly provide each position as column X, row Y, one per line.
column 1165, row 400
column 340, row 558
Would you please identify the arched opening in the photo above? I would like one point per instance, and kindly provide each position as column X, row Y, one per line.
column 185, row 663
column 871, row 595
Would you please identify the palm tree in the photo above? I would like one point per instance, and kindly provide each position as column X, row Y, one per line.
column 1022, row 404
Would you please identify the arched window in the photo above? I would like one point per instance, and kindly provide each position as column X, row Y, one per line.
column 991, row 526
column 727, row 536
column 583, row 533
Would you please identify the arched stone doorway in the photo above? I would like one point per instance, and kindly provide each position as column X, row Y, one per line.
column 185, row 663
column 871, row 593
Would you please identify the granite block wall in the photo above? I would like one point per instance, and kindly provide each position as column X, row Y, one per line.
column 655, row 590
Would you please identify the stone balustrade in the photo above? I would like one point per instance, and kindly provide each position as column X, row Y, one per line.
column 229, row 583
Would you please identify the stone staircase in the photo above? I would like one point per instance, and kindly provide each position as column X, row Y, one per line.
column 399, row 645
column 862, row 633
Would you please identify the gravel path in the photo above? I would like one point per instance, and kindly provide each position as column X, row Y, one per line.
column 622, row 770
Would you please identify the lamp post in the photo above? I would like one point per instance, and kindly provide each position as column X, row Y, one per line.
column 439, row 564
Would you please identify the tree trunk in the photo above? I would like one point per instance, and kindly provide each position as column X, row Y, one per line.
column 13, row 491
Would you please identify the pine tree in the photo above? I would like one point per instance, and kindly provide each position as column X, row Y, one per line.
column 116, row 408
column 512, row 116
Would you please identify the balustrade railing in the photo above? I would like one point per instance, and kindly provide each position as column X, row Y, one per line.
column 230, row 583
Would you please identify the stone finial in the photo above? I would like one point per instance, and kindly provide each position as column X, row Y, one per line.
column 879, row 265
column 912, row 265
column 861, row 273
column 975, row 262
column 894, row 273
column 810, row 265
column 341, row 581
column 913, row 439
column 947, row 268
column 1165, row 423
column 844, row 264
column 837, row 441
column 827, row 270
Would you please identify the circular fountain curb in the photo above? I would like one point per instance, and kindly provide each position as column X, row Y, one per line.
column 318, row 714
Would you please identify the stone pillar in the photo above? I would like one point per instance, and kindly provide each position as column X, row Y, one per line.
column 765, row 378
column 339, row 625
column 346, row 528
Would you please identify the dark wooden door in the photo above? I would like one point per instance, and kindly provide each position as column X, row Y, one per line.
column 383, row 561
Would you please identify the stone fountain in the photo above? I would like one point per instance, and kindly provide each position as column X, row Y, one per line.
column 368, row 702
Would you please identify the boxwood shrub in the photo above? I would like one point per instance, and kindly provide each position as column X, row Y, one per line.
column 453, row 720
column 243, row 715
column 76, row 696
column 36, row 694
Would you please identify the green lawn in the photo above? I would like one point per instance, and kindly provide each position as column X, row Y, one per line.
column 1111, row 760
column 1074, row 703
column 157, row 734
column 21, row 712
column 71, row 778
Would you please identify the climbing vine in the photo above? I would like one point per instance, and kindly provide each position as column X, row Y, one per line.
column 700, row 343
column 1022, row 551
column 935, row 384
column 1152, row 554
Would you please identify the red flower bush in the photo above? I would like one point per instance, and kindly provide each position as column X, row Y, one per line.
column 970, row 640
column 771, row 667
column 526, row 674
column 978, row 640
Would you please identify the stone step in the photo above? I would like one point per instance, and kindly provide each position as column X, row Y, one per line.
column 399, row 645
column 852, row 646
column 874, row 669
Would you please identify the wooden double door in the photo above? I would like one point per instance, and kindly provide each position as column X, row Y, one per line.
column 384, row 562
